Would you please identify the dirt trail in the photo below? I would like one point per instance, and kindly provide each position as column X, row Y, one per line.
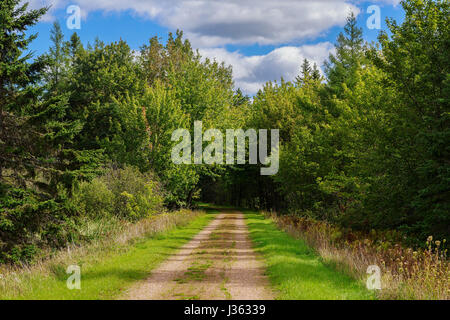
column 219, row 263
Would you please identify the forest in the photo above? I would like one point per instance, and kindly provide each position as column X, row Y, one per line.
column 86, row 133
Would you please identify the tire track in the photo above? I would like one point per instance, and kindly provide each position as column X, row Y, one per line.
column 218, row 263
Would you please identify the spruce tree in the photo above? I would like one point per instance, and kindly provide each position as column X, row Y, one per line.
column 75, row 46
column 38, row 164
column 239, row 98
column 305, row 73
column 57, row 60
column 19, row 136
column 316, row 76
column 341, row 67
column 17, row 79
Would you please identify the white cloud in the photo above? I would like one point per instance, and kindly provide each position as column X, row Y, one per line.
column 37, row 4
column 211, row 23
column 251, row 72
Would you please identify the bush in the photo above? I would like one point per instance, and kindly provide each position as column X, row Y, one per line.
column 29, row 222
column 124, row 193
column 94, row 199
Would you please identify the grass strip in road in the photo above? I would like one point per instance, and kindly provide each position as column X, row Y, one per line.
column 296, row 270
column 106, row 277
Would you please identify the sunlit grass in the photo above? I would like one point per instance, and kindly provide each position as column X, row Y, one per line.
column 295, row 270
column 104, row 274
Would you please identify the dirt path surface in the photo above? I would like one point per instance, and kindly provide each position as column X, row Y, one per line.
column 219, row 263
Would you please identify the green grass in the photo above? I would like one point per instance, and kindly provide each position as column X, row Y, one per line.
column 107, row 276
column 295, row 270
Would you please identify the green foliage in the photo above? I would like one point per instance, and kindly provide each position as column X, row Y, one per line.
column 58, row 70
column 27, row 222
column 109, row 71
column 94, row 199
column 183, row 89
column 124, row 193
column 35, row 144
column 164, row 114
column 308, row 74
column 415, row 61
column 349, row 57
column 368, row 149
column 76, row 109
column 105, row 89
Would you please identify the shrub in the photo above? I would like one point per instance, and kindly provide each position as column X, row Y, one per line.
column 124, row 193
column 94, row 199
column 29, row 222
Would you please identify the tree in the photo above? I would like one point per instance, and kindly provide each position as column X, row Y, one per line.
column 308, row 74
column 157, row 59
column 33, row 141
column 57, row 59
column 75, row 47
column 316, row 73
column 416, row 64
column 305, row 73
column 105, row 88
column 164, row 115
column 240, row 99
column 342, row 66
column 200, row 90
column 17, row 77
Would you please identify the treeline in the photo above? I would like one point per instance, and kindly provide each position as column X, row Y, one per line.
column 366, row 147
column 85, row 132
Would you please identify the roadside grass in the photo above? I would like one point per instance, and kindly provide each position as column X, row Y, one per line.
column 105, row 274
column 295, row 270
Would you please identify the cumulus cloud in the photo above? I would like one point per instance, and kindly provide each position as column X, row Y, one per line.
column 211, row 23
column 251, row 72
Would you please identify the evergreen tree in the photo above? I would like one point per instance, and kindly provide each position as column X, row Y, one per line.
column 17, row 79
column 341, row 68
column 37, row 161
column 75, row 46
column 240, row 99
column 305, row 73
column 57, row 60
column 308, row 74
column 28, row 189
column 316, row 76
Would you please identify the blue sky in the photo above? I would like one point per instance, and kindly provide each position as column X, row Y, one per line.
column 263, row 40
